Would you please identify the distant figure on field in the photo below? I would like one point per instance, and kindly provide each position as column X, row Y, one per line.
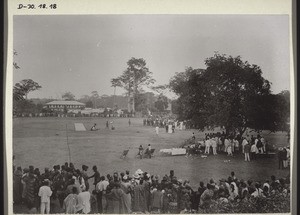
column 141, row 149
column 157, row 130
column 94, row 127
column 107, row 124
column 129, row 122
column 112, row 125
column 149, row 150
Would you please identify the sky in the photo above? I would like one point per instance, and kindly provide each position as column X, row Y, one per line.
column 82, row 53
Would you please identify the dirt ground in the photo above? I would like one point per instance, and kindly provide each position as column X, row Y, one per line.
column 42, row 142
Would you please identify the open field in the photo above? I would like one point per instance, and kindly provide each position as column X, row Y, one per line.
column 42, row 142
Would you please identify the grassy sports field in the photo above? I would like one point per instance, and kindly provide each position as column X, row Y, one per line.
column 42, row 142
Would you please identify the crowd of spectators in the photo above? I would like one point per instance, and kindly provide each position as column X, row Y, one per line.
column 140, row 192
column 250, row 147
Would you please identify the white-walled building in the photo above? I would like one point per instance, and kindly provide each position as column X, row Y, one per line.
column 61, row 105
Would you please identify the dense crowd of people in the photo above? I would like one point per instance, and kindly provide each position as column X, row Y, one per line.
column 123, row 192
column 251, row 147
column 163, row 120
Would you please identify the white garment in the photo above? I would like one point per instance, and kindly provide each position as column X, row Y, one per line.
column 245, row 142
column 229, row 150
column 236, row 143
column 254, row 149
column 80, row 183
column 157, row 130
column 208, row 142
column 247, row 157
column 181, row 126
column 45, row 193
column 45, row 206
column 170, row 131
column 84, row 202
column 226, row 144
column 207, row 146
column 233, row 193
column 258, row 193
column 288, row 153
column 213, row 143
column 102, row 185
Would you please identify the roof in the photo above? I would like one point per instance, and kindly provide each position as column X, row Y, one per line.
column 65, row 103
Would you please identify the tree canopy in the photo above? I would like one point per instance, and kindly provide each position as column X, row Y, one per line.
column 22, row 89
column 68, row 96
column 133, row 78
column 230, row 93
column 162, row 103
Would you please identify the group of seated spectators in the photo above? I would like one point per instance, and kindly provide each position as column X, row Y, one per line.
column 123, row 192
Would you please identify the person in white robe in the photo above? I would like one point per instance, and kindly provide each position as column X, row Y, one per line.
column 244, row 142
column 84, row 204
column 214, row 145
column 207, row 146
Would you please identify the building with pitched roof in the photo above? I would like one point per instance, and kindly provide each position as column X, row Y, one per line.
column 63, row 105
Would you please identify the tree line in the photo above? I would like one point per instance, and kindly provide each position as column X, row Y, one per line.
column 230, row 92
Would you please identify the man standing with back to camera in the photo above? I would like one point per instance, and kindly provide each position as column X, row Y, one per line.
column 96, row 176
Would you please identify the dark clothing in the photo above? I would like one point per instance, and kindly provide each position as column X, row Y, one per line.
column 96, row 177
column 280, row 159
column 99, row 202
column 17, row 186
column 94, row 206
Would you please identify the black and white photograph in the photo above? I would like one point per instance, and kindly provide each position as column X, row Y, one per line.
column 151, row 113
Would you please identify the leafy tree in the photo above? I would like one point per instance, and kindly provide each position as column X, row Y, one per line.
column 133, row 78
column 24, row 106
column 89, row 104
column 18, row 94
column 229, row 93
column 68, row 96
column 95, row 96
column 162, row 103
column 15, row 64
column 22, row 88
column 140, row 102
column 175, row 106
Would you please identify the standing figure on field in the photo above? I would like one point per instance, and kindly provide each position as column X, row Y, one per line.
column 207, row 146
column 45, row 193
column 141, row 150
column 247, row 151
column 157, row 130
column 214, row 145
column 229, row 148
